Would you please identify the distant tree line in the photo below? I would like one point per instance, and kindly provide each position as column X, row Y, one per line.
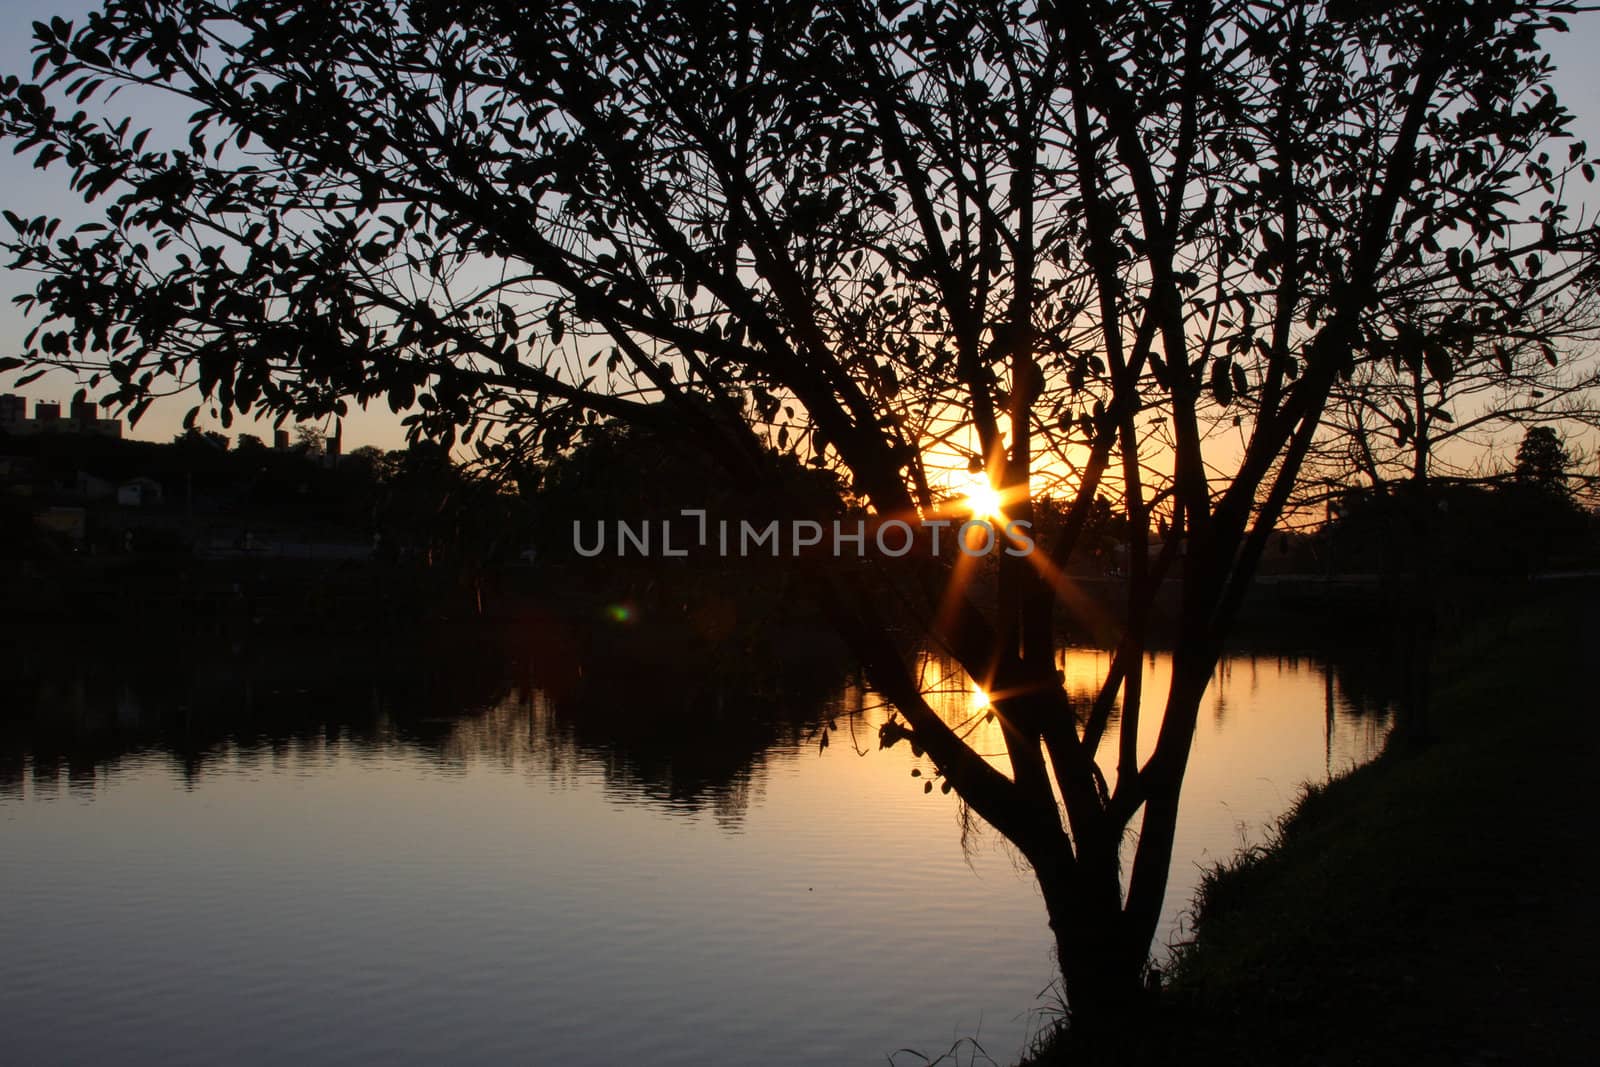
column 1523, row 521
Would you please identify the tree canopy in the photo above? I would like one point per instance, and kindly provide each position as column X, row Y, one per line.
column 1542, row 460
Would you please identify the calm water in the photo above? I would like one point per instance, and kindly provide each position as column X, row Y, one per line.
column 401, row 863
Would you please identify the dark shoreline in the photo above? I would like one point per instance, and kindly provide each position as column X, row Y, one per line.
column 1431, row 907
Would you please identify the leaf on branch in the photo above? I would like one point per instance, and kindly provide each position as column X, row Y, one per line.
column 1222, row 380
column 1440, row 366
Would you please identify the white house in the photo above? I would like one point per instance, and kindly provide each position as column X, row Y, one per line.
column 138, row 492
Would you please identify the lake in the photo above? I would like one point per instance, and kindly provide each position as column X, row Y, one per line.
column 414, row 858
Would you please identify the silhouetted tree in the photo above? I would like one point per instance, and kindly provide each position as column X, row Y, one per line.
column 1543, row 461
column 1450, row 383
column 368, row 462
column 202, row 439
column 1053, row 243
column 1455, row 380
column 618, row 471
column 312, row 440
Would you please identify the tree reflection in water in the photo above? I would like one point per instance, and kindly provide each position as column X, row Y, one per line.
column 673, row 731
column 656, row 721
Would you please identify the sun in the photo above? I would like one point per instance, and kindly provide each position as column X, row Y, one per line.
column 983, row 499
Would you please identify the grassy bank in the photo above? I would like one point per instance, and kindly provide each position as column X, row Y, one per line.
column 1434, row 907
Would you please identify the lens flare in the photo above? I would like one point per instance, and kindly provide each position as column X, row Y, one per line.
column 983, row 499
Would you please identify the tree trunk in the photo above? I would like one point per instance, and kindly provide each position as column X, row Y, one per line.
column 1101, row 970
column 1420, row 616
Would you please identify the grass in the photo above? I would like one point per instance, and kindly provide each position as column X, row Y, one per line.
column 1434, row 907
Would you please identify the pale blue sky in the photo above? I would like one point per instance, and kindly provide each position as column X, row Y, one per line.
column 27, row 191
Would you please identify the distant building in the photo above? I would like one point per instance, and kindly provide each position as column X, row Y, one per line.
column 92, row 487
column 13, row 412
column 139, row 492
column 84, row 418
column 14, row 473
column 69, row 524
